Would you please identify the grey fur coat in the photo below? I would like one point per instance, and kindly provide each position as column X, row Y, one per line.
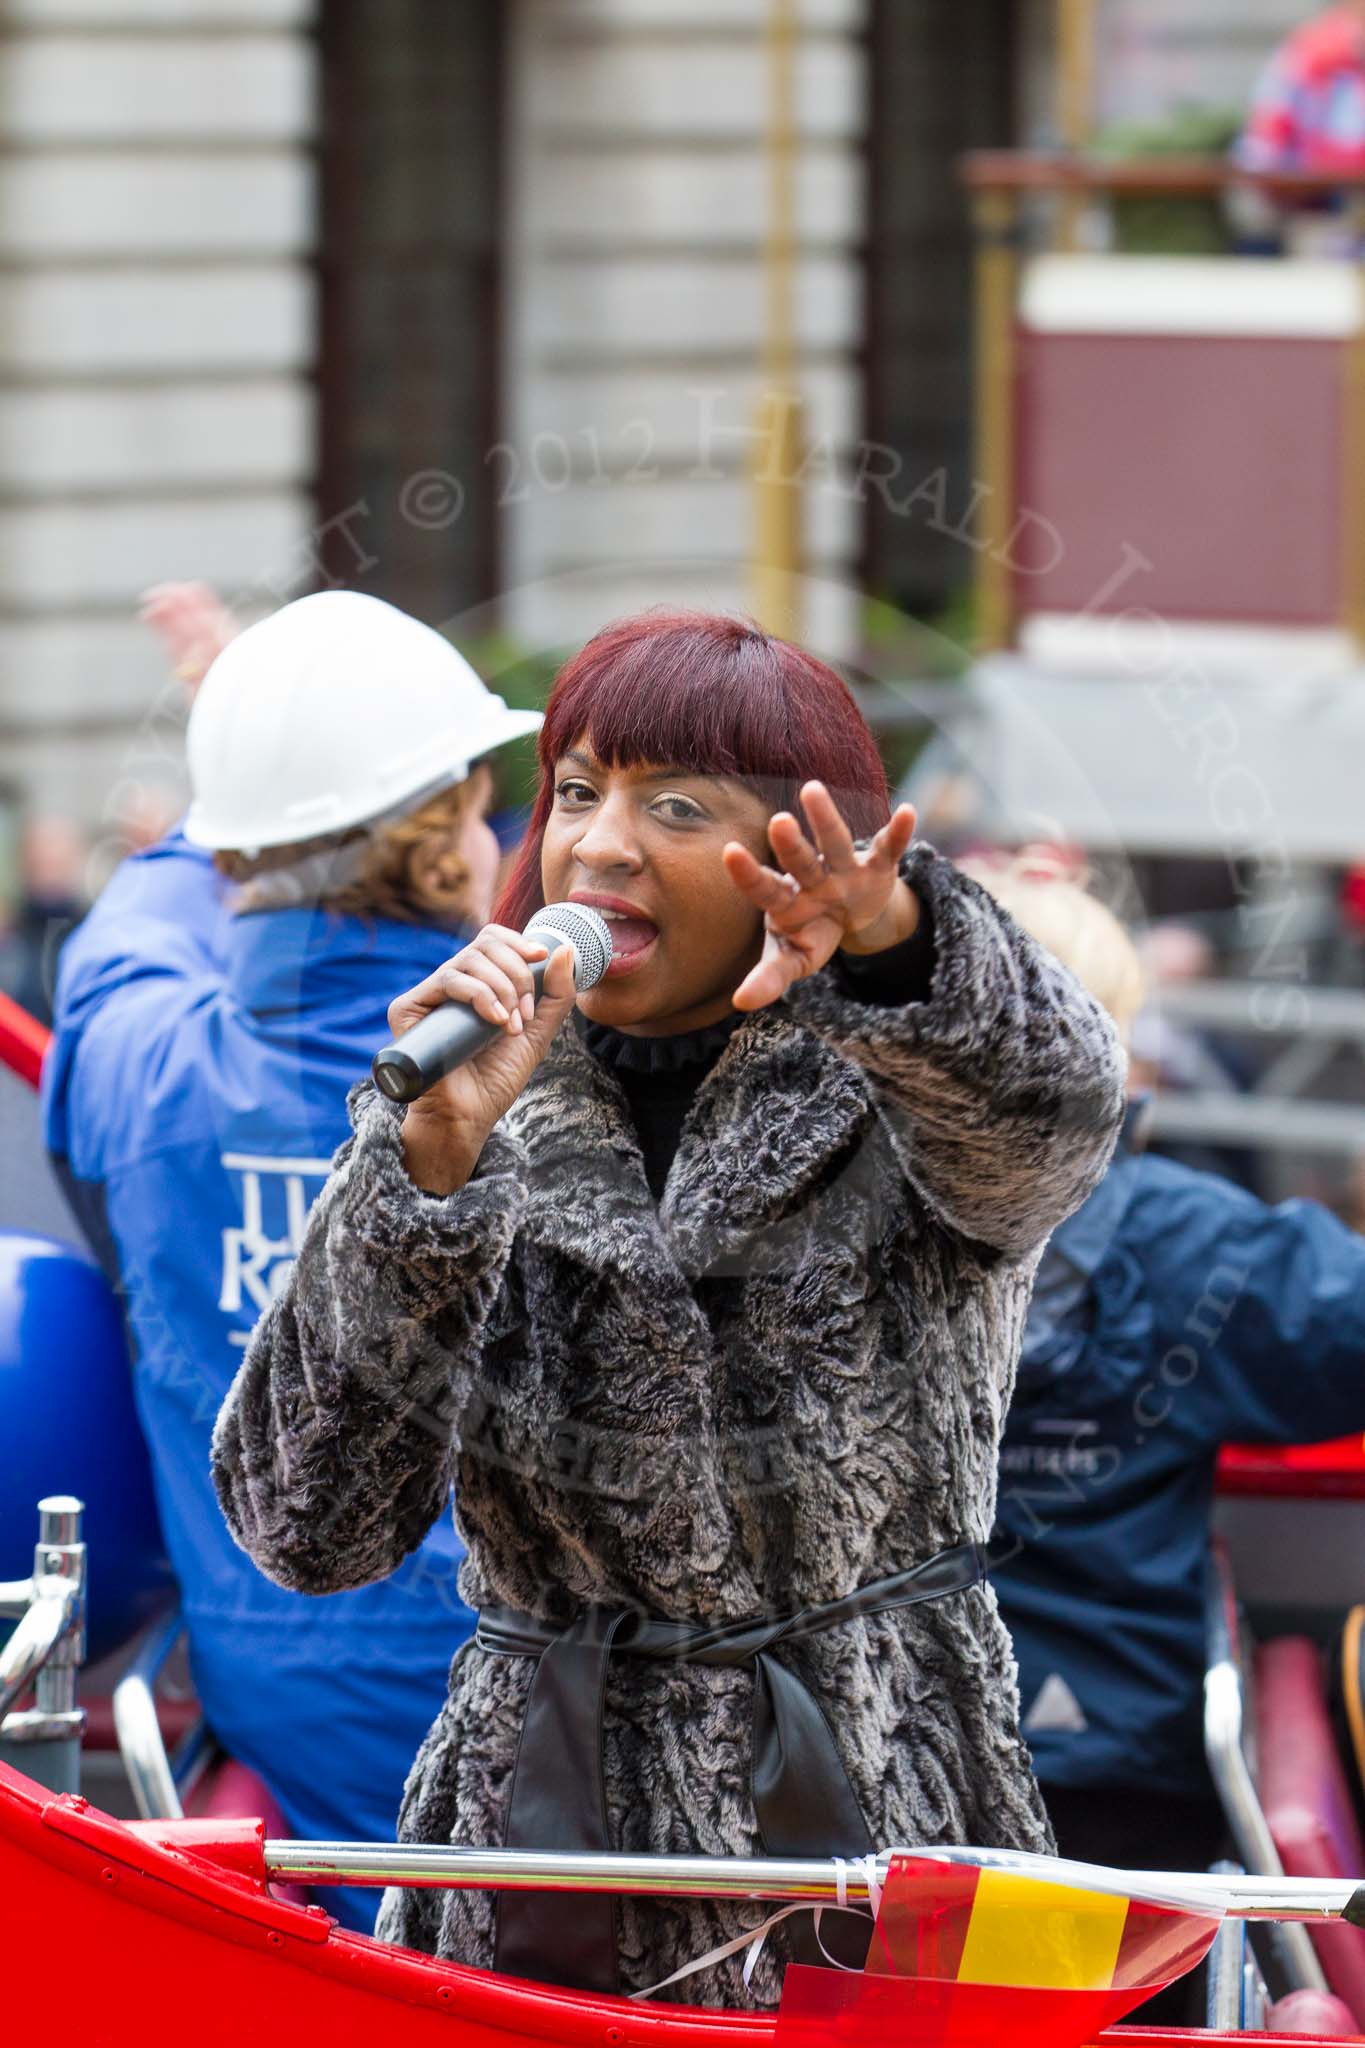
column 787, row 1380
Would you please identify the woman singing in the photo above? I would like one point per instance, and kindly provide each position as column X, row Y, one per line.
column 707, row 1300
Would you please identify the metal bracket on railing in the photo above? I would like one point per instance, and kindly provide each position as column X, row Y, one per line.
column 46, row 1647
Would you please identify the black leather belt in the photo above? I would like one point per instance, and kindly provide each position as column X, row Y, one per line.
column 803, row 1801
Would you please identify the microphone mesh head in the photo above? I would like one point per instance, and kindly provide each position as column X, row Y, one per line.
column 587, row 932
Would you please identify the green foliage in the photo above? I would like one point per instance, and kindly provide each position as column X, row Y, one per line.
column 897, row 647
column 523, row 676
column 1188, row 130
column 1176, row 226
column 940, row 645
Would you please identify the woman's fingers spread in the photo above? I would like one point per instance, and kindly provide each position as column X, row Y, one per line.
column 832, row 836
column 795, row 851
column 895, row 836
column 763, row 886
column 763, row 984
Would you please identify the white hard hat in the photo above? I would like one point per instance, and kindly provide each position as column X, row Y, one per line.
column 333, row 710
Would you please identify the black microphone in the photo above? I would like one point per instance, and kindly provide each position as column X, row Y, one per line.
column 444, row 1039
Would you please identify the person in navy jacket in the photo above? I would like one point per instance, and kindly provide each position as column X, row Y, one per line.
column 1172, row 1313
column 224, row 994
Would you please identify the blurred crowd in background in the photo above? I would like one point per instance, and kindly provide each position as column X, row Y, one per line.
column 55, row 871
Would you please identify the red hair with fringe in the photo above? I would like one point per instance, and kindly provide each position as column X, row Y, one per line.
column 709, row 695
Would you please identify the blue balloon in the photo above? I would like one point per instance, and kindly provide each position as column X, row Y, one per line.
column 68, row 1425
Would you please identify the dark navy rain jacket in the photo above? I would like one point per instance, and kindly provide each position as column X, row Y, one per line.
column 1173, row 1313
column 194, row 1096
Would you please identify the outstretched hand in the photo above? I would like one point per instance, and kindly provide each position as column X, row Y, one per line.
column 823, row 896
column 194, row 626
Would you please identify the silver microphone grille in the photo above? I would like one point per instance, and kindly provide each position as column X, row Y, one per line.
column 586, row 930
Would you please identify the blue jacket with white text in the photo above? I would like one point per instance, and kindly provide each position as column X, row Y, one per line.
column 194, row 1096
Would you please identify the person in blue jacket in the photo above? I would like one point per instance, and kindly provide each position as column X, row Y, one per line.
column 227, row 989
column 1172, row 1314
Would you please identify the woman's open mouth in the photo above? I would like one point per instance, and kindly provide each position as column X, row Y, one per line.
column 632, row 934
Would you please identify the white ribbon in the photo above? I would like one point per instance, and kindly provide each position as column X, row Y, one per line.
column 865, row 1867
column 868, row 1868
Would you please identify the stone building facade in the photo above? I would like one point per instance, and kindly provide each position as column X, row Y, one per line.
column 464, row 305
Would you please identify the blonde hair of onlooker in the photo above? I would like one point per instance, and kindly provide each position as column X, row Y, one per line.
column 409, row 868
column 1062, row 915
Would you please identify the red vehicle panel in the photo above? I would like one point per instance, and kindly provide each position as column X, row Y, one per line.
column 148, row 1935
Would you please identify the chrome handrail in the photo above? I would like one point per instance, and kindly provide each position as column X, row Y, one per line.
column 814, row 1881
column 48, row 1641
column 1226, row 1748
column 1226, row 1994
column 1236, row 1999
column 142, row 1746
column 53, row 1606
column 45, row 1648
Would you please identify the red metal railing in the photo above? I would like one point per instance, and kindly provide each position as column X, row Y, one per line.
column 23, row 1041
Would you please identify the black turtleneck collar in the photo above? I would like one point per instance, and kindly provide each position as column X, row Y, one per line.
column 684, row 1051
column 659, row 1078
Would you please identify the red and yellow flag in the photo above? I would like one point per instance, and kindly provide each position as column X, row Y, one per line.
column 975, row 1958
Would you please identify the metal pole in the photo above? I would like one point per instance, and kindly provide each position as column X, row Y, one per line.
column 139, row 1731
column 1075, row 101
column 50, row 1636
column 44, row 1650
column 780, row 433
column 61, row 1556
column 995, row 224
column 31, row 1644
column 1226, row 1990
column 704, row 1877
column 1075, row 71
column 1225, row 1749
column 715, row 1877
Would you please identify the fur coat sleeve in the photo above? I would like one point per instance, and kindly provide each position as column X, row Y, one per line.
column 349, row 1391
column 1004, row 1090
